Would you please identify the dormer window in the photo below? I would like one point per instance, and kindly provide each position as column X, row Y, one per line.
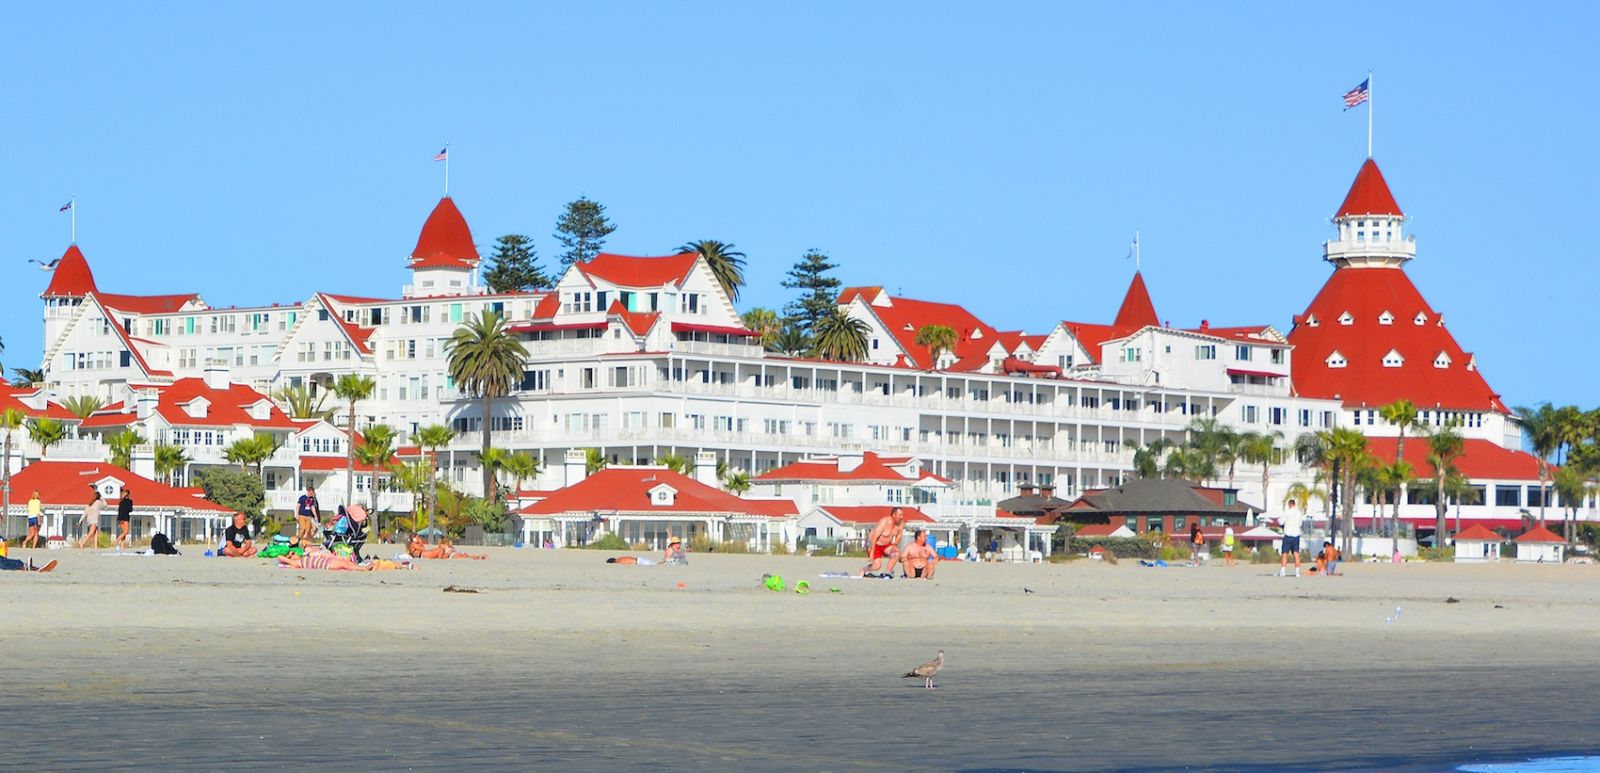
column 1336, row 360
column 1393, row 359
column 1421, row 319
column 663, row 495
column 1311, row 321
column 197, row 407
column 1442, row 361
column 1386, row 318
column 1346, row 319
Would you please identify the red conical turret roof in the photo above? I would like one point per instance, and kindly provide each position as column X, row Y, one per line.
column 1369, row 194
column 72, row 277
column 1137, row 311
column 446, row 241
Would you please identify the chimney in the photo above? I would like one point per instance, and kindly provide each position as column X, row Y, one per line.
column 1048, row 492
column 144, row 402
column 576, row 465
column 1026, row 489
column 849, row 460
column 705, row 468
column 216, row 376
column 143, row 461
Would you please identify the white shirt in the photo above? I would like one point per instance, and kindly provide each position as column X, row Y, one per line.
column 1292, row 521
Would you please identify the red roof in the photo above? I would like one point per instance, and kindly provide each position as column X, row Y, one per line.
column 903, row 317
column 1369, row 194
column 1365, row 294
column 1480, row 459
column 10, row 397
column 1136, row 311
column 1478, row 532
column 689, row 327
column 326, row 464
column 72, row 277
column 629, row 271
column 871, row 513
column 66, row 484
column 872, row 468
column 146, row 304
column 356, row 334
column 1537, row 534
column 227, row 407
column 1097, row 529
column 445, row 241
column 627, row 489
column 638, row 322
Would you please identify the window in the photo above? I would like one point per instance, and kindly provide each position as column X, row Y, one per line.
column 1442, row 361
column 1420, row 320
column 1393, row 359
column 1327, row 420
column 1336, row 360
column 1538, row 497
column 1386, row 318
column 1346, row 319
column 1311, row 320
column 1277, row 356
column 1277, row 416
column 1242, row 353
column 1132, row 354
column 1251, row 413
column 1205, row 352
column 1508, row 496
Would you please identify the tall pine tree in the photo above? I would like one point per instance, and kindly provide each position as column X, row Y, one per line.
column 819, row 293
column 582, row 230
column 514, row 266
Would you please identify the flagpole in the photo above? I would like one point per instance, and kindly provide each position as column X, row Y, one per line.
column 74, row 208
column 1369, row 114
column 1136, row 250
column 447, row 159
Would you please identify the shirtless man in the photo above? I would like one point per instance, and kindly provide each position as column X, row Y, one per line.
column 884, row 542
column 919, row 559
column 419, row 549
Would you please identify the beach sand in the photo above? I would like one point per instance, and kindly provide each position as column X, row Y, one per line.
column 560, row 660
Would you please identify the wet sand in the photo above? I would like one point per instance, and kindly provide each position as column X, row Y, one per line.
column 563, row 661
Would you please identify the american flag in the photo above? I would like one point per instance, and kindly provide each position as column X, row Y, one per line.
column 1356, row 95
column 444, row 154
column 65, row 207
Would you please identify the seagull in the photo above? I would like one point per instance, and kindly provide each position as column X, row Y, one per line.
column 43, row 266
column 926, row 671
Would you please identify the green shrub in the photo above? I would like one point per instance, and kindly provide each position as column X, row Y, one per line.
column 780, row 548
column 1266, row 554
column 1125, row 547
column 1436, row 554
column 608, row 541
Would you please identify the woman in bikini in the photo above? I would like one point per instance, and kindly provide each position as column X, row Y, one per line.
column 419, row 549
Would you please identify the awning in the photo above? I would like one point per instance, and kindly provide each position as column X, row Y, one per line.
column 689, row 327
column 1254, row 373
column 547, row 327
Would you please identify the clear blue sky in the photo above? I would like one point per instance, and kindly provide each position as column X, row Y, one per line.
column 1000, row 157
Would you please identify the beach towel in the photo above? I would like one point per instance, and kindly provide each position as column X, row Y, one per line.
column 1157, row 563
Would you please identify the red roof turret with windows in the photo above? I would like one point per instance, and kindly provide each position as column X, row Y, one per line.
column 445, row 241
column 72, row 277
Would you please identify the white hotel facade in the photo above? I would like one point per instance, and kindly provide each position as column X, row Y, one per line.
column 640, row 357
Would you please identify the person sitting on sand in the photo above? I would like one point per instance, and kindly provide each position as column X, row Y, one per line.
column 674, row 555
column 236, row 540
column 919, row 559
column 884, row 542
column 419, row 549
column 1328, row 560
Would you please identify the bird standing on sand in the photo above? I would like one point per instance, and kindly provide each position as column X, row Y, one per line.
column 927, row 671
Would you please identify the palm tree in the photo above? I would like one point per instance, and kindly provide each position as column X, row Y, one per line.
column 1444, row 446
column 46, row 432
column 791, row 341
column 253, row 450
column 765, row 322
column 1403, row 415
column 1262, row 449
column 1311, row 450
column 83, row 406
column 377, row 452
column 352, row 387
column 169, row 459
column 726, row 264
column 938, row 339
column 414, row 479
column 1210, row 440
column 593, row 461
column 1539, row 427
column 122, row 445
column 26, row 377
column 1147, row 458
column 486, row 362
column 1572, row 485
column 1301, row 495
column 1190, row 464
column 1349, row 457
column 521, row 466
column 1230, row 449
column 495, row 460
column 839, row 336
column 736, row 482
column 434, row 437
column 11, row 419
column 298, row 402
column 675, row 462
column 1393, row 478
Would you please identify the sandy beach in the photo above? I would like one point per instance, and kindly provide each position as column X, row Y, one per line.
column 560, row 660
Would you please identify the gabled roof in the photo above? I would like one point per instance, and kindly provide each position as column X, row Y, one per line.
column 445, row 241
column 640, row 272
column 146, row 304
column 66, row 484
column 1102, row 530
column 871, row 513
column 1155, row 495
column 903, row 317
column 1479, row 533
column 1539, row 534
column 1479, row 459
column 1365, row 294
column 128, row 341
column 354, row 333
column 626, row 490
column 637, row 322
column 225, row 407
column 1369, row 194
column 12, row 397
column 826, row 468
column 72, row 277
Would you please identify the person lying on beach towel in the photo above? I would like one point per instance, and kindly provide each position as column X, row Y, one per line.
column 419, row 549
column 17, row 565
column 322, row 559
column 630, row 561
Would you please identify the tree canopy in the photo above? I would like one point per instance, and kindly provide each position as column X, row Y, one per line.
column 819, row 292
column 582, row 230
column 514, row 266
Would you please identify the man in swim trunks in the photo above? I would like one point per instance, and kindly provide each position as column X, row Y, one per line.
column 1292, row 520
column 918, row 558
column 419, row 549
column 236, row 540
column 884, row 542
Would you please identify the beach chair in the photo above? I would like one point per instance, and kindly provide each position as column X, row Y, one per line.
column 350, row 530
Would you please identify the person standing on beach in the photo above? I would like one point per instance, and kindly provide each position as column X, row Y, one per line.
column 35, row 517
column 1227, row 543
column 308, row 514
column 1197, row 541
column 90, row 520
column 1291, row 520
column 124, row 518
column 884, row 542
